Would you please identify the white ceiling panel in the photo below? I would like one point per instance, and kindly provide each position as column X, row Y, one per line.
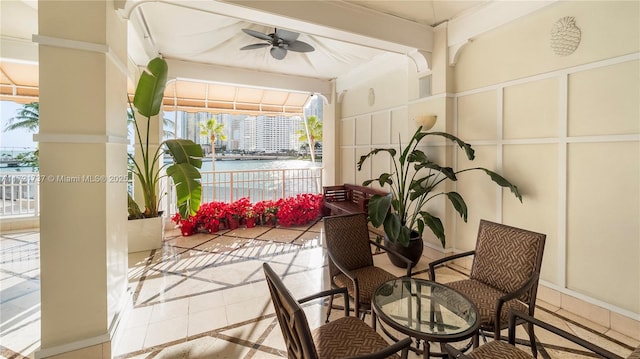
column 202, row 41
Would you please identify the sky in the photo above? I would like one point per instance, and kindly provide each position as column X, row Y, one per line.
column 15, row 138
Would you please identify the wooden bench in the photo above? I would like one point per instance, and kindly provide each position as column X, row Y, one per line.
column 348, row 198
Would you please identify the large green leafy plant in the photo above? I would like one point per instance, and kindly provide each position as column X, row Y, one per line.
column 413, row 182
column 148, row 169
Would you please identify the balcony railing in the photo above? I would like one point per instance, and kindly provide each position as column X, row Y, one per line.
column 257, row 185
column 19, row 192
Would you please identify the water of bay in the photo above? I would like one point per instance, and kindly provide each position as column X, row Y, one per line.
column 258, row 165
column 238, row 165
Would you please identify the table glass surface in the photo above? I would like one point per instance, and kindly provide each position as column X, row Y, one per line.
column 425, row 307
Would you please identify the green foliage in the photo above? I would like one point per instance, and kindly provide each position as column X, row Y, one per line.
column 311, row 133
column 133, row 208
column 315, row 131
column 185, row 174
column 213, row 129
column 28, row 118
column 25, row 159
column 150, row 90
column 413, row 181
column 29, row 159
column 186, row 154
column 167, row 129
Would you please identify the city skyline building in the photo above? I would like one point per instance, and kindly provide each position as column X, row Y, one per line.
column 315, row 107
column 269, row 134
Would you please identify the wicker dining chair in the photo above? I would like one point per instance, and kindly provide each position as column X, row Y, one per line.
column 500, row 350
column 351, row 261
column 504, row 275
column 341, row 338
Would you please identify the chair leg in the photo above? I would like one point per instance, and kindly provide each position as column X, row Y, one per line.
column 329, row 310
column 374, row 320
column 476, row 339
column 484, row 337
column 532, row 340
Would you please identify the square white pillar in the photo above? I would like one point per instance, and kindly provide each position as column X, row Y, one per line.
column 82, row 142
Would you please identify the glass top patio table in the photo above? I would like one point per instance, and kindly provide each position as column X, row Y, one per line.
column 425, row 310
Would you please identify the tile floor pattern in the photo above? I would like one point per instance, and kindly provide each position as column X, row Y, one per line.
column 205, row 296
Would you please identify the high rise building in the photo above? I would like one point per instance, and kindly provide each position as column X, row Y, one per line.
column 234, row 129
column 248, row 133
column 273, row 133
column 315, row 107
column 188, row 124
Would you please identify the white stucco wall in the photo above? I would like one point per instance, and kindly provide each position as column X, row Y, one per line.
column 565, row 129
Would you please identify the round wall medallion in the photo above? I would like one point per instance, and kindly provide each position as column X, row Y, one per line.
column 372, row 96
column 565, row 36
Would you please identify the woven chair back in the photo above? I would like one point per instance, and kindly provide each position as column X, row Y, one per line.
column 291, row 317
column 506, row 257
column 347, row 240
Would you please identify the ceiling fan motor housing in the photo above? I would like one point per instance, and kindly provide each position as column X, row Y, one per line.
column 281, row 42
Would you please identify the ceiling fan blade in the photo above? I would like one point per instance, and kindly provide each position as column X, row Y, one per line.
column 300, row 46
column 278, row 53
column 259, row 35
column 287, row 36
column 254, row 46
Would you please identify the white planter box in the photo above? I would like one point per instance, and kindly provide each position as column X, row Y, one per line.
column 145, row 234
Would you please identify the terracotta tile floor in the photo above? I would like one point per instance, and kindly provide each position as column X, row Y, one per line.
column 205, row 296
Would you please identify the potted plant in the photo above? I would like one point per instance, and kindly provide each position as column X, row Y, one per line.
column 414, row 182
column 236, row 212
column 299, row 210
column 267, row 211
column 148, row 169
column 250, row 218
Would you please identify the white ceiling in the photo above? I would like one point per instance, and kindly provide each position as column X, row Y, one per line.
column 211, row 32
column 202, row 38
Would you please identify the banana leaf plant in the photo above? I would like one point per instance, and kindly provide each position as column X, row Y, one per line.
column 414, row 182
column 187, row 155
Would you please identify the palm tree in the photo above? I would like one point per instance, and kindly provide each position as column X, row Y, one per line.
column 211, row 129
column 28, row 118
column 311, row 133
column 167, row 124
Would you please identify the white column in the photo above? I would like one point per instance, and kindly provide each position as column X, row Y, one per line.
column 330, row 141
column 82, row 52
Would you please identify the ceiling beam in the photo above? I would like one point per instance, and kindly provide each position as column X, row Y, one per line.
column 337, row 20
column 180, row 69
column 331, row 19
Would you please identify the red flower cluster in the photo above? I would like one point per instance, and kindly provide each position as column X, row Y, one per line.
column 213, row 216
column 266, row 211
column 207, row 218
column 187, row 226
column 299, row 210
column 239, row 208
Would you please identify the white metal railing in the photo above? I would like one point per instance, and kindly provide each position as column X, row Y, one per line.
column 19, row 192
column 257, row 185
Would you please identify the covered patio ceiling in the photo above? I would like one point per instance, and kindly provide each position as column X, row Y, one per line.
column 202, row 42
column 194, row 96
column 19, row 83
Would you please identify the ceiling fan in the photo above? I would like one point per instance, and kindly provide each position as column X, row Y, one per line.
column 280, row 41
